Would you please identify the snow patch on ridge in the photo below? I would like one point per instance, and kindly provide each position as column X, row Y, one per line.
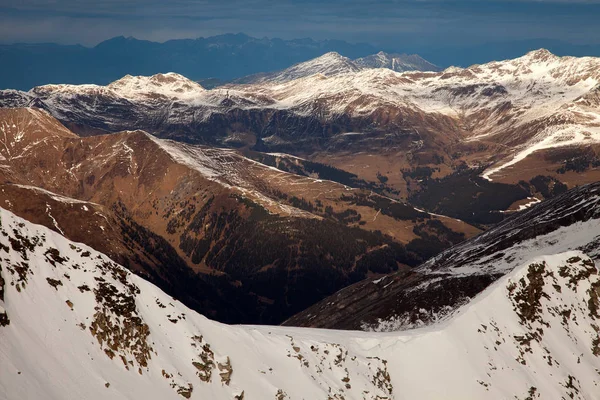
column 551, row 137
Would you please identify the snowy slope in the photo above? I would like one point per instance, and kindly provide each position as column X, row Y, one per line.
column 332, row 64
column 329, row 64
column 566, row 222
column 80, row 326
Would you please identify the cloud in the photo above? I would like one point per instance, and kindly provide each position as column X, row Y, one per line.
column 387, row 23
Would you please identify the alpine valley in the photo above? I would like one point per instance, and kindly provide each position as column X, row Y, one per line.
column 443, row 225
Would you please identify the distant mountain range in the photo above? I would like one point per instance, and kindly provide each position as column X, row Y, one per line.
column 224, row 57
column 500, row 116
column 218, row 59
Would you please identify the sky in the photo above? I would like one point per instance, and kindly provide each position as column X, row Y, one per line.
column 384, row 23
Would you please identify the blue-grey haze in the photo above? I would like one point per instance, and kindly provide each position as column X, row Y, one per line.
column 446, row 32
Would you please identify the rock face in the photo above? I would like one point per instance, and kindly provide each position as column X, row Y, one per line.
column 438, row 287
column 233, row 238
column 534, row 332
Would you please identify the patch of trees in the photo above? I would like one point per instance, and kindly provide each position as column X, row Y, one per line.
column 382, row 178
column 345, row 217
column 389, row 207
column 434, row 238
column 419, row 173
column 548, row 186
column 217, row 297
column 302, row 204
column 437, row 228
column 381, row 260
column 323, row 171
column 290, row 262
column 580, row 163
column 466, row 196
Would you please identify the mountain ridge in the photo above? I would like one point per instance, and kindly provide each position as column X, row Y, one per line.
column 210, row 225
column 497, row 113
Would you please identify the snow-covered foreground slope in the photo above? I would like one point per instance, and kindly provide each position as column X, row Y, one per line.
column 79, row 326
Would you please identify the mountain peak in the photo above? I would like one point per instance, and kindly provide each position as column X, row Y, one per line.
column 333, row 55
column 168, row 84
column 328, row 64
column 326, row 60
column 20, row 127
column 541, row 55
column 396, row 62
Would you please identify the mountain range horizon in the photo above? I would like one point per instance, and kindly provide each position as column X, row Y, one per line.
column 225, row 57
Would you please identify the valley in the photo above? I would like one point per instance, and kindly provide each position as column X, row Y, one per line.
column 189, row 217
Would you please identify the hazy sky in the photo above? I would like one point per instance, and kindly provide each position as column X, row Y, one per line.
column 387, row 23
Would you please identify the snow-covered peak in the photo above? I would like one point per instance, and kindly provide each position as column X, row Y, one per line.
column 334, row 64
column 170, row 85
column 73, row 90
column 396, row 62
column 330, row 57
column 541, row 55
column 453, row 70
column 329, row 64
